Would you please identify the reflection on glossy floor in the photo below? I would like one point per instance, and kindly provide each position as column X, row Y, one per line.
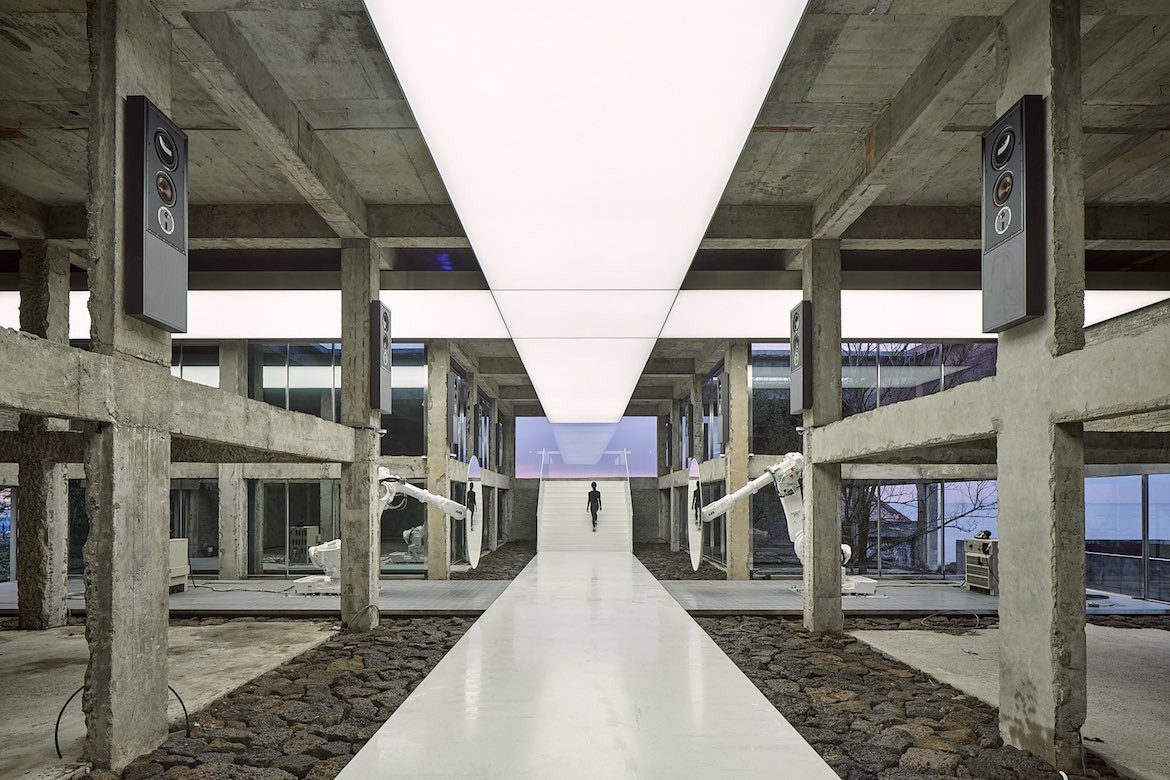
column 586, row 667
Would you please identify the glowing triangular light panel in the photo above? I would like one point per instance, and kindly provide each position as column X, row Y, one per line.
column 585, row 145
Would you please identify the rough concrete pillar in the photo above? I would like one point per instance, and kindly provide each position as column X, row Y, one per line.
column 233, row 367
column 361, row 538
column 676, row 434
column 822, row 481
column 127, row 462
column 233, row 492
column 665, row 429
column 43, row 520
column 739, row 402
column 127, row 471
column 1041, row 465
column 438, row 447
column 233, row 522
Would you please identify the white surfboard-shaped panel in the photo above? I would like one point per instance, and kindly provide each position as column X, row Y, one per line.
column 473, row 520
column 694, row 519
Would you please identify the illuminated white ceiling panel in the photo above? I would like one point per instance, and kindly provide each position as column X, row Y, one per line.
column 577, row 381
column 585, row 147
column 569, row 313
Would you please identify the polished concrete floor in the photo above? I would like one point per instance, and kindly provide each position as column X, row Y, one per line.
column 407, row 597
column 586, row 667
column 1128, row 680
column 398, row 598
column 39, row 670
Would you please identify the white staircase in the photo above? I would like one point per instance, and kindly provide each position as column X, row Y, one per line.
column 563, row 523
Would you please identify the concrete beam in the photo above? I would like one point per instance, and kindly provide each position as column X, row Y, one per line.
column 20, row 215
column 758, row 227
column 955, row 68
column 970, row 413
column 416, row 225
column 1121, row 371
column 221, row 59
column 76, row 384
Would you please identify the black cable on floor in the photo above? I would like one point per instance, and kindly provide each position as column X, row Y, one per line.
column 72, row 696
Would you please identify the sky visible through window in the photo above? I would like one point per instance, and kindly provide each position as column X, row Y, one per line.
column 586, row 450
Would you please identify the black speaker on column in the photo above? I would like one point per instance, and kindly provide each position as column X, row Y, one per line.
column 800, row 360
column 1014, row 224
column 155, row 245
column 380, row 357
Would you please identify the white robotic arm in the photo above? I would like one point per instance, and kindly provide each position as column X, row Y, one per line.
column 391, row 486
column 784, row 475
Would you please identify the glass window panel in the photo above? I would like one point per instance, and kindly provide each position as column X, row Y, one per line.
column 271, row 518
column 715, row 532
column 773, row 427
column 682, row 515
column 859, row 377
column 1113, row 534
column 201, row 364
column 501, row 513
column 772, row 549
column 404, row 540
column 968, row 362
column 859, row 524
column 310, row 521
column 911, row 537
column 406, row 425
column 908, row 370
column 712, row 416
column 7, row 518
column 969, row 507
column 1159, row 540
column 195, row 517
column 458, row 527
column 310, row 379
column 78, row 526
column 269, row 366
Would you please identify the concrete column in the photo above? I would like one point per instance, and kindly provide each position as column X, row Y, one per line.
column 676, row 429
column 127, row 471
column 1041, row 465
column 493, row 447
column 233, row 522
column 42, row 522
column 739, row 401
column 233, row 367
column 233, row 492
column 822, row 481
column 127, row 462
column 361, row 538
column 438, row 532
column 663, row 468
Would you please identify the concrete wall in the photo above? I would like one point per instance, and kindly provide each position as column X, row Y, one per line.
column 525, row 495
column 644, row 495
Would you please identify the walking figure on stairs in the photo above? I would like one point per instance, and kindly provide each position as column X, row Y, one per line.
column 594, row 504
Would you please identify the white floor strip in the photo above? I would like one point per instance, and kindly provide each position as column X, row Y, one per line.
column 586, row 667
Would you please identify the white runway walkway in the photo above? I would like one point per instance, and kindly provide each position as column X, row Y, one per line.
column 586, row 667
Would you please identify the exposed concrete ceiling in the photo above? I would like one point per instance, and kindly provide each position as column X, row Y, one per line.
column 870, row 131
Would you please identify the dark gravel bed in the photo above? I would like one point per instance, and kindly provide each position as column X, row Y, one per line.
column 870, row 717
column 667, row 565
column 504, row 564
column 306, row 718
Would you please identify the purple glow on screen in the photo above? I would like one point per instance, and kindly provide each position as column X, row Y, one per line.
column 584, row 450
